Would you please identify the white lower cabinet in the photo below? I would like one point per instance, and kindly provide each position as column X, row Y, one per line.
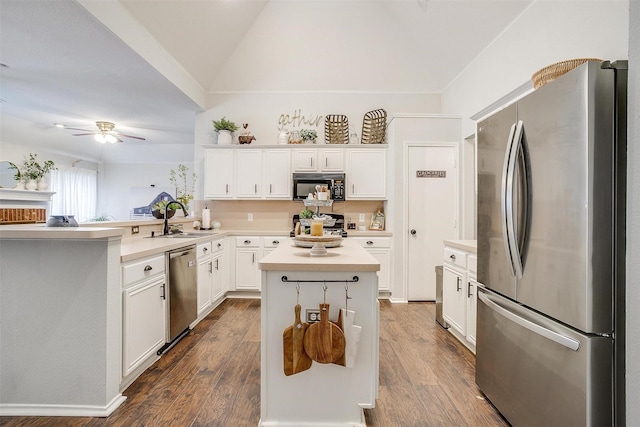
column 459, row 294
column 205, row 274
column 144, row 314
column 247, row 275
column 380, row 249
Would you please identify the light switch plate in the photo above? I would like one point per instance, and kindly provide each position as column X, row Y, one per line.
column 135, row 229
column 361, row 219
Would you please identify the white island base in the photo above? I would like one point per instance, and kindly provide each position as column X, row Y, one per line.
column 325, row 395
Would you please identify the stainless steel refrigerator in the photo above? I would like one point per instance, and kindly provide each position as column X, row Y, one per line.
column 551, row 227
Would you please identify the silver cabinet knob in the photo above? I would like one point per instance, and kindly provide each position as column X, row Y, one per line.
column 453, row 257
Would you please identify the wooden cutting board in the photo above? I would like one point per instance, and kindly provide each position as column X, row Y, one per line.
column 342, row 361
column 324, row 341
column 295, row 359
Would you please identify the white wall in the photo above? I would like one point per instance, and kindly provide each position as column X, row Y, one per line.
column 547, row 32
column 633, row 220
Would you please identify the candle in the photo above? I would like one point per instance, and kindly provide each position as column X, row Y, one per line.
column 316, row 228
column 206, row 218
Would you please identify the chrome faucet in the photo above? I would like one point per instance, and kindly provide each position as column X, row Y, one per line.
column 165, row 229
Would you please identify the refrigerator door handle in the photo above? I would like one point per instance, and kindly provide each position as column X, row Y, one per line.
column 512, row 236
column 570, row 343
column 506, row 201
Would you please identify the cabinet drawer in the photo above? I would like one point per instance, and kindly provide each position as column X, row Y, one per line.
column 138, row 270
column 218, row 245
column 472, row 264
column 455, row 257
column 372, row 242
column 203, row 249
column 248, row 242
column 272, row 241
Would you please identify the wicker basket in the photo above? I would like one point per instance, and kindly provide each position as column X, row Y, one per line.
column 553, row 71
column 374, row 127
column 336, row 129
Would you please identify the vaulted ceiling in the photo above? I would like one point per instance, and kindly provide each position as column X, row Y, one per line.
column 148, row 66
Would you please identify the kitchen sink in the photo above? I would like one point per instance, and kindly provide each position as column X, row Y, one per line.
column 189, row 235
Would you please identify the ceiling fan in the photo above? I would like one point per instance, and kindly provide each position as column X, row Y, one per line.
column 104, row 134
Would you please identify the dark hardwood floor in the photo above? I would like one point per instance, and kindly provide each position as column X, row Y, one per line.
column 212, row 377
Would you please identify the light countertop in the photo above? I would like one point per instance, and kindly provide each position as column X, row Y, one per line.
column 348, row 257
column 40, row 231
column 465, row 245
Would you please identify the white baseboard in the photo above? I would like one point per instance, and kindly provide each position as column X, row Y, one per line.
column 38, row 410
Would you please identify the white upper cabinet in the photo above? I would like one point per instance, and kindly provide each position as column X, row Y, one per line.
column 277, row 174
column 366, row 174
column 318, row 159
column 219, row 174
column 249, row 174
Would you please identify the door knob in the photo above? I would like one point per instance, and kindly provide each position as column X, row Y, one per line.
column 413, row 231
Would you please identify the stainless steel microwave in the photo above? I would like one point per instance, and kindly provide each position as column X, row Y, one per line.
column 305, row 183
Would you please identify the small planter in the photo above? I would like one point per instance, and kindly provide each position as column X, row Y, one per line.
column 31, row 184
column 224, row 137
column 42, row 184
column 160, row 214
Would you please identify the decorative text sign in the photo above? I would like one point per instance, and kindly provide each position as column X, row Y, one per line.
column 431, row 174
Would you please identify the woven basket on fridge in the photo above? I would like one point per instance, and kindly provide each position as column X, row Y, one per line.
column 374, row 127
column 336, row 129
column 553, row 71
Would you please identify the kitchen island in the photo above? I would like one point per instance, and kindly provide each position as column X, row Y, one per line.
column 321, row 394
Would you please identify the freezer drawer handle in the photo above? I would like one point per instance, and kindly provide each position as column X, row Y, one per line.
column 148, row 268
column 535, row 328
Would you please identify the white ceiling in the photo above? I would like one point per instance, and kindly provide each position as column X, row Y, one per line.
column 65, row 64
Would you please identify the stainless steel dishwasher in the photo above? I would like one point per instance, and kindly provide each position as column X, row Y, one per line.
column 182, row 294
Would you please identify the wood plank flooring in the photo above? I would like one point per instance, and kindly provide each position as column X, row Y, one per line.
column 212, row 377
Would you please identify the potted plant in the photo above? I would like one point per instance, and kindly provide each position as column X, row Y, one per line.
column 224, row 128
column 184, row 193
column 308, row 136
column 33, row 173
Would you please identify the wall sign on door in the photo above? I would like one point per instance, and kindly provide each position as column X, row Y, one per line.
column 431, row 174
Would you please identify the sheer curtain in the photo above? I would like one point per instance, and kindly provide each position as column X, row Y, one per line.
column 76, row 193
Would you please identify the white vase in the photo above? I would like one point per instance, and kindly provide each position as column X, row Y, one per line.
column 224, row 137
column 31, row 184
column 42, row 184
column 19, row 186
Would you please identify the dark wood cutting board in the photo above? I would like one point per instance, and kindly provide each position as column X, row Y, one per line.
column 324, row 341
column 295, row 359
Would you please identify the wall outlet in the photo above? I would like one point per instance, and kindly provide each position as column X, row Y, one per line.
column 135, row 229
column 250, row 217
column 312, row 315
column 361, row 219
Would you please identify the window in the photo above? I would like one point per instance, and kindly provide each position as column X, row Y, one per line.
column 76, row 193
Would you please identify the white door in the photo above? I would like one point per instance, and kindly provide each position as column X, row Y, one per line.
column 431, row 215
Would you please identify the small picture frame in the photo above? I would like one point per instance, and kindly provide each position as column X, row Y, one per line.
column 377, row 221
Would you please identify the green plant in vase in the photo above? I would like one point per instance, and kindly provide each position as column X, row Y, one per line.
column 308, row 135
column 224, row 128
column 33, row 173
column 179, row 179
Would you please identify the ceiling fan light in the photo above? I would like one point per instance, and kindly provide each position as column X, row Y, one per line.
column 110, row 138
column 100, row 138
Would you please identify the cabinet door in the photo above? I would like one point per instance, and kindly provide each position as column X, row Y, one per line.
column 248, row 174
column 331, row 160
column 205, row 276
column 384, row 277
column 472, row 307
column 277, row 174
column 305, row 159
column 218, row 283
column 144, row 322
column 367, row 174
column 247, row 274
column 218, row 174
column 454, row 299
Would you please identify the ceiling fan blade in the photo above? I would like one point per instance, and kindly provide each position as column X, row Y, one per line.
column 82, row 134
column 83, row 130
column 118, row 139
column 131, row 136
